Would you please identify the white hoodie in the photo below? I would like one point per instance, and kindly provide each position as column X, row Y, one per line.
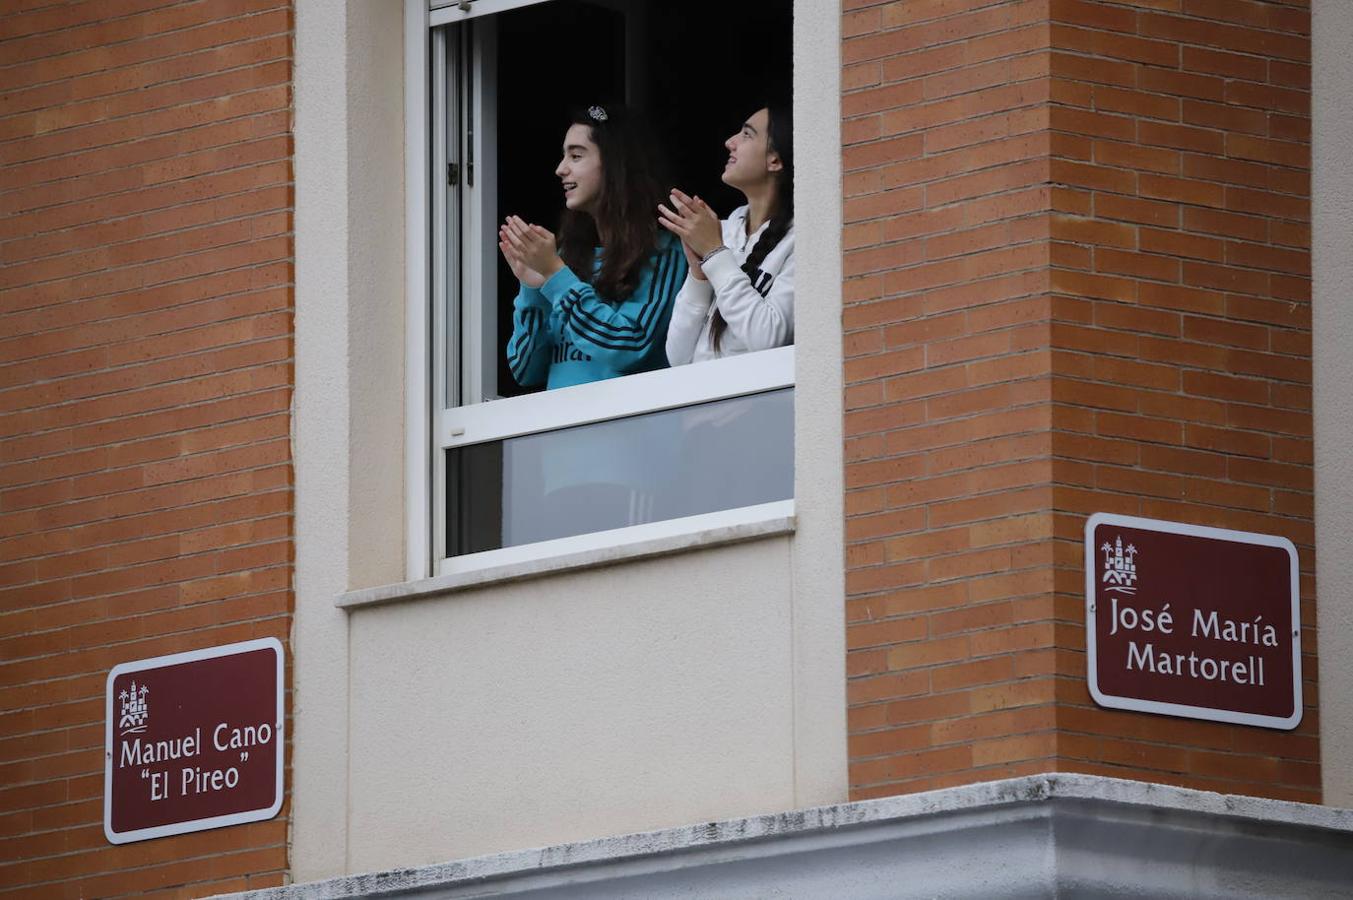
column 760, row 315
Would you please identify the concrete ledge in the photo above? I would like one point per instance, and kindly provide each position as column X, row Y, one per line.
column 1040, row 836
column 592, row 557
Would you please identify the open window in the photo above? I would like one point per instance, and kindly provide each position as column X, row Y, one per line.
column 513, row 473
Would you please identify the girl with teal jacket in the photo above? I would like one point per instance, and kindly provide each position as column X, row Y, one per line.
column 595, row 303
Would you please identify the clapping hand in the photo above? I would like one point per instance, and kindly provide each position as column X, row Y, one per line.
column 691, row 219
column 527, row 276
column 530, row 250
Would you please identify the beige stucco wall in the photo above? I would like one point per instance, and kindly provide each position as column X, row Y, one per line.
column 1332, row 327
column 375, row 264
column 328, row 215
column 678, row 689
column 818, row 559
column 589, row 704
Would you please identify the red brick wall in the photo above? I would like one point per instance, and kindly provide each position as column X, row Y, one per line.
column 1077, row 279
column 948, row 377
column 145, row 373
column 1185, row 368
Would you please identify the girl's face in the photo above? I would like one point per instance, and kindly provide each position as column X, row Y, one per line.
column 751, row 162
column 580, row 170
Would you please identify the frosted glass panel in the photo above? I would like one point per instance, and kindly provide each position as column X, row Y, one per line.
column 650, row 468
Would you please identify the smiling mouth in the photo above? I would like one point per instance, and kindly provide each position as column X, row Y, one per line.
column 569, row 186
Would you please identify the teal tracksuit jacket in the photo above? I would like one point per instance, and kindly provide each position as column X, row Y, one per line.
column 565, row 333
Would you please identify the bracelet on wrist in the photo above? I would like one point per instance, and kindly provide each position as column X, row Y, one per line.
column 710, row 255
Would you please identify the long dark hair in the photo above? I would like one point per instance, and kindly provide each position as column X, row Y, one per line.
column 780, row 141
column 633, row 176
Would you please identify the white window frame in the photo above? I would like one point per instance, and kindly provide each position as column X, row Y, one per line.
column 433, row 427
column 615, row 398
column 448, row 12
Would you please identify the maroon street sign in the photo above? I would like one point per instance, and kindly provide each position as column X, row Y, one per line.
column 1192, row 621
column 193, row 741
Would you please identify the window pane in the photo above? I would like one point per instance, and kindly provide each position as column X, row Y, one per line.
column 527, row 147
column 665, row 465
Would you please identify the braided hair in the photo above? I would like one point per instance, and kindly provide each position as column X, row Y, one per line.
column 780, row 140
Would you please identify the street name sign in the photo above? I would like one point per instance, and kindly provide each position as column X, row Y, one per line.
column 193, row 741
column 1191, row 621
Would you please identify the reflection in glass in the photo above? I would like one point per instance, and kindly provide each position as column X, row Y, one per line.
column 650, row 468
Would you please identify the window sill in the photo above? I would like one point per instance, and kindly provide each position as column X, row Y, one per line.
column 586, row 552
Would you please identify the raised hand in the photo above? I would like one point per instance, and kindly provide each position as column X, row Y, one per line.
column 526, row 275
column 533, row 245
column 691, row 219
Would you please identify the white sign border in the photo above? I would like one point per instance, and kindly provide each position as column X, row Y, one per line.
column 1285, row 723
column 239, row 818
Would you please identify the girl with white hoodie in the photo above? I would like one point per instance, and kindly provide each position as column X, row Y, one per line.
column 738, row 296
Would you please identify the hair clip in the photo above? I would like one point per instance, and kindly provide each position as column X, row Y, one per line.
column 597, row 113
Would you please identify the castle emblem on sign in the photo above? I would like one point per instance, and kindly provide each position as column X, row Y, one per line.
column 1120, row 566
column 135, row 712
